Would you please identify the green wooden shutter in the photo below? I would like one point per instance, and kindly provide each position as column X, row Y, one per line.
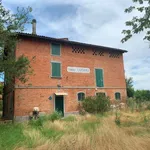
column 56, row 69
column 99, row 77
column 55, row 49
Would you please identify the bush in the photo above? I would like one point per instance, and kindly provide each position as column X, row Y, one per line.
column 55, row 116
column 96, row 104
column 148, row 107
column 131, row 103
column 142, row 95
column 38, row 122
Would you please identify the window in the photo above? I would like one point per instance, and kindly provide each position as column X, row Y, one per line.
column 55, row 49
column 99, row 77
column 100, row 93
column 81, row 96
column 117, row 96
column 56, row 69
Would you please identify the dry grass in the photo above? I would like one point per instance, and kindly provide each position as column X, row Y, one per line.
column 92, row 133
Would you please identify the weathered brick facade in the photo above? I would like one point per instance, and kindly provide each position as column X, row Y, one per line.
column 36, row 92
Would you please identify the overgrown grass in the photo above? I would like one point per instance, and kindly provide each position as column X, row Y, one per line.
column 11, row 135
column 89, row 132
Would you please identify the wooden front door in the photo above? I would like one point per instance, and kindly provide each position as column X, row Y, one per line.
column 59, row 104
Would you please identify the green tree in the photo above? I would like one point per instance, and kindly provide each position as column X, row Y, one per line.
column 129, row 85
column 142, row 95
column 138, row 23
column 10, row 24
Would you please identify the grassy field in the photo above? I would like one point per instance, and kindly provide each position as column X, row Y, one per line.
column 114, row 131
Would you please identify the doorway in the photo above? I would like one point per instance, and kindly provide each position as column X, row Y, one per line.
column 59, row 104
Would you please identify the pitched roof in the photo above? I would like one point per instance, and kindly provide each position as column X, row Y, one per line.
column 70, row 42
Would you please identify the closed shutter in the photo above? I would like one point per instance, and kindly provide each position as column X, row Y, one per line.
column 55, row 49
column 99, row 77
column 56, row 69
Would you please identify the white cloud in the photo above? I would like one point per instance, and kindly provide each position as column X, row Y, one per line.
column 99, row 22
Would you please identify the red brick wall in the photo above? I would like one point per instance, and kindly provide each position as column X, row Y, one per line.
column 26, row 99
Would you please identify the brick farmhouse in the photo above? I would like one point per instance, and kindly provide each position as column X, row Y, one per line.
column 64, row 73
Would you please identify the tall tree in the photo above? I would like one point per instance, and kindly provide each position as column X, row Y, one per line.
column 129, row 85
column 10, row 24
column 138, row 23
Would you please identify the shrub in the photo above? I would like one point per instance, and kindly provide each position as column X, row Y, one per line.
column 38, row 122
column 148, row 107
column 97, row 104
column 131, row 103
column 55, row 116
column 117, row 119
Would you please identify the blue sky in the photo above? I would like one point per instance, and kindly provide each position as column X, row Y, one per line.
column 92, row 21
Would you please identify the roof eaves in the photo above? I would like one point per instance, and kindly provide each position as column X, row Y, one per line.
column 71, row 42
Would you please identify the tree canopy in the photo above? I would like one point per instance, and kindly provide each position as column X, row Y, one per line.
column 138, row 23
column 129, row 85
column 10, row 24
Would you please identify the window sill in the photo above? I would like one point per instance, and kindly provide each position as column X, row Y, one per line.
column 55, row 55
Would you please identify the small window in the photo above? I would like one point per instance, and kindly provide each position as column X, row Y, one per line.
column 100, row 93
column 81, row 96
column 117, row 96
column 56, row 69
column 55, row 49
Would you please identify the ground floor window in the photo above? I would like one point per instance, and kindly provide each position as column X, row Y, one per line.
column 117, row 96
column 81, row 96
column 100, row 93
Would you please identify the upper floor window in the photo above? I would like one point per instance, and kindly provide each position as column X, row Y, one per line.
column 56, row 69
column 55, row 49
column 81, row 96
column 99, row 77
column 117, row 96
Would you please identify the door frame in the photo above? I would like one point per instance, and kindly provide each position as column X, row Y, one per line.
column 63, row 101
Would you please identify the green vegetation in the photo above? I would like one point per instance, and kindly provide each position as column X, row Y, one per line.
column 136, row 97
column 139, row 23
column 129, row 85
column 55, row 116
column 96, row 104
column 87, row 132
column 11, row 136
column 10, row 24
column 39, row 122
column 142, row 95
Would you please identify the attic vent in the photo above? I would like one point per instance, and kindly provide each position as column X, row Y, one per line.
column 98, row 53
column 76, row 49
column 114, row 55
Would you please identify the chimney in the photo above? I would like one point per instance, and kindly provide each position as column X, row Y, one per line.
column 33, row 26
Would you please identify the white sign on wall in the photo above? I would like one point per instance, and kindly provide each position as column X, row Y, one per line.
column 78, row 70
